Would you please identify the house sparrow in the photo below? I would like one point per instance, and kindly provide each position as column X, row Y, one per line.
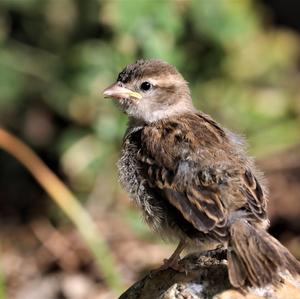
column 192, row 178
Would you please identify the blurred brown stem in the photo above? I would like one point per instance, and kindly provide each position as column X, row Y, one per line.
column 67, row 202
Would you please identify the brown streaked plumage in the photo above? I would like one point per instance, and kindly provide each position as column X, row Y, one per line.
column 192, row 178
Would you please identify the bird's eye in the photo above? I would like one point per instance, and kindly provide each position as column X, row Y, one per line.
column 145, row 86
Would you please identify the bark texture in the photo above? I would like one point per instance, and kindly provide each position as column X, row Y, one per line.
column 205, row 278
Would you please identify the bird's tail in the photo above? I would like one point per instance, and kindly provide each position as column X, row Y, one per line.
column 255, row 258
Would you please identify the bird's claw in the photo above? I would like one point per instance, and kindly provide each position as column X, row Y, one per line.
column 173, row 263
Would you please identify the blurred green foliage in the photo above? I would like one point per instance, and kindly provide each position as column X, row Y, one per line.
column 56, row 56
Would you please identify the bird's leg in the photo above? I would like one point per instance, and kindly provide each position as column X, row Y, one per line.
column 172, row 261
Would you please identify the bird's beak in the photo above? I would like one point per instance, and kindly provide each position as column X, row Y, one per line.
column 118, row 92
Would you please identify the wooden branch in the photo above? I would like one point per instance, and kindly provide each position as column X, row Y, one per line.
column 205, row 278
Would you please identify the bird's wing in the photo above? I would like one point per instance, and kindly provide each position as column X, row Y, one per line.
column 171, row 155
column 254, row 194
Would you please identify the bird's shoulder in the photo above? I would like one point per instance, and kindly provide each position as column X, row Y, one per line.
column 193, row 127
column 191, row 136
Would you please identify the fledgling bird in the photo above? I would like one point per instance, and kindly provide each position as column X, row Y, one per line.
column 192, row 178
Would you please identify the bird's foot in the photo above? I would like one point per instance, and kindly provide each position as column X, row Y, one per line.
column 173, row 261
column 170, row 263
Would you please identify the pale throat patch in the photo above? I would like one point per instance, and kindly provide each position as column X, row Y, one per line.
column 166, row 112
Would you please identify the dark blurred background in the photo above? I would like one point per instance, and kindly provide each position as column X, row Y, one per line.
column 56, row 56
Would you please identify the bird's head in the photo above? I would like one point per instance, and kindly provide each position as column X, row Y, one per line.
column 150, row 90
